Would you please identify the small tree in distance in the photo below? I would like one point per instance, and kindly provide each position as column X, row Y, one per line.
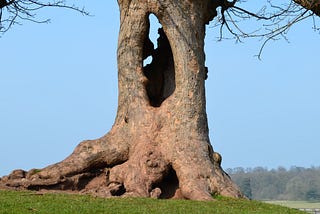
column 159, row 144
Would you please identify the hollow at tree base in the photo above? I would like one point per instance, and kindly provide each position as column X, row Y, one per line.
column 146, row 173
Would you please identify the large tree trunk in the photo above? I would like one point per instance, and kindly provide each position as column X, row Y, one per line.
column 159, row 145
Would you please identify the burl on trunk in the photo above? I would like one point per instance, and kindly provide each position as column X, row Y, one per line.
column 159, row 145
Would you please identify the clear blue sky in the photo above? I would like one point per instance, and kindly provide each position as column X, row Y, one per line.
column 58, row 86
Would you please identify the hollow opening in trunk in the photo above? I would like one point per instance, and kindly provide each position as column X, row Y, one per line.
column 169, row 185
column 160, row 71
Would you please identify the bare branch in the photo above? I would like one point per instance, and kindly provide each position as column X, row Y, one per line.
column 275, row 20
column 15, row 11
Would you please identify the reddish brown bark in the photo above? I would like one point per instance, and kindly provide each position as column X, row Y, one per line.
column 159, row 145
column 313, row 5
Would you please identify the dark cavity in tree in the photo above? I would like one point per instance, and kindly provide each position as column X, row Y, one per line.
column 160, row 72
column 169, row 185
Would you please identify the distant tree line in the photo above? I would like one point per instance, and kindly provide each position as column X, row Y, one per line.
column 296, row 183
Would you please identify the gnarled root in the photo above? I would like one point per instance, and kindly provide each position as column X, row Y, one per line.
column 146, row 169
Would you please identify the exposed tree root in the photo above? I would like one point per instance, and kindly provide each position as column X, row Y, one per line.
column 159, row 145
column 146, row 173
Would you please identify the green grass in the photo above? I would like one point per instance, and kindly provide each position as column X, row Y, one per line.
column 297, row 204
column 29, row 202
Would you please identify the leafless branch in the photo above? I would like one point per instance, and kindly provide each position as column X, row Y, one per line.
column 274, row 20
column 13, row 12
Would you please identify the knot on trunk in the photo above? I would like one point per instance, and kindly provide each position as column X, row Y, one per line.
column 217, row 158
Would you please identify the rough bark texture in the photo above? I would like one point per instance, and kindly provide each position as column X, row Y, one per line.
column 313, row 5
column 159, row 145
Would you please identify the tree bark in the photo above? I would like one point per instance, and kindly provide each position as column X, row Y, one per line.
column 313, row 5
column 159, row 144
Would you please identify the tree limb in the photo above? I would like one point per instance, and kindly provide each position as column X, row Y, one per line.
column 313, row 5
column 15, row 11
column 275, row 19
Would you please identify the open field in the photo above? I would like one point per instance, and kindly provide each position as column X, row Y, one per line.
column 309, row 207
column 31, row 202
column 297, row 204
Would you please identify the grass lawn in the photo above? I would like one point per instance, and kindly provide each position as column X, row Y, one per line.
column 30, row 202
